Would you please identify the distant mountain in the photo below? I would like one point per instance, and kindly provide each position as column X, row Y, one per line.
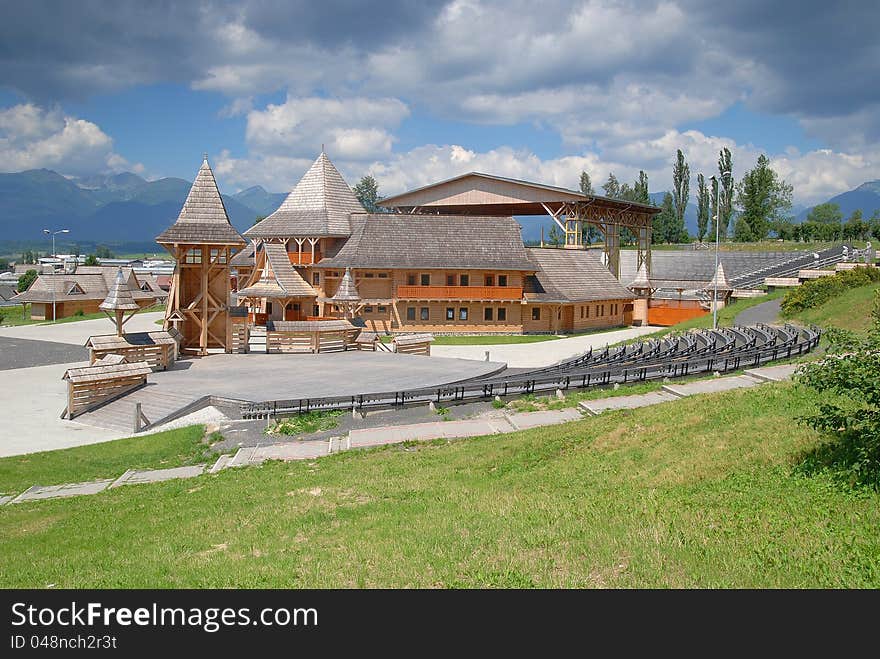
column 865, row 197
column 120, row 207
column 257, row 199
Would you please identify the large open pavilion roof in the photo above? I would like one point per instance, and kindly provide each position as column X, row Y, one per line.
column 476, row 193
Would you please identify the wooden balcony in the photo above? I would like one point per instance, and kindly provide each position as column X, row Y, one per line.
column 305, row 258
column 459, row 293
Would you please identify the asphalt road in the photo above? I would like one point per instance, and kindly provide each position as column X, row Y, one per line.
column 24, row 353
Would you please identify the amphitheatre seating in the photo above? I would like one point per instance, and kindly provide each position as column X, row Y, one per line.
column 412, row 344
column 741, row 293
column 106, row 379
column 310, row 336
column 159, row 349
column 781, row 282
column 814, row 274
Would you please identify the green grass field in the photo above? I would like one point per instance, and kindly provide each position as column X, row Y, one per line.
column 172, row 448
column 702, row 492
column 850, row 310
column 14, row 316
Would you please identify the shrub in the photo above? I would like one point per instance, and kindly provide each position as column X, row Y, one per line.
column 814, row 293
column 304, row 424
column 79, row 313
column 851, row 370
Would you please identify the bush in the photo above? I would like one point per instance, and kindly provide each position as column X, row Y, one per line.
column 79, row 313
column 851, row 371
column 814, row 293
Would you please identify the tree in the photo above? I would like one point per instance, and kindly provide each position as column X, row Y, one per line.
column 763, row 198
column 856, row 228
column 640, row 189
column 586, row 184
column 702, row 207
column 612, row 187
column 367, row 192
column 850, row 373
column 26, row 280
column 103, row 252
column 555, row 237
column 4, row 264
column 824, row 222
column 681, row 184
column 258, row 219
column 665, row 222
column 725, row 164
column 90, row 260
column 875, row 224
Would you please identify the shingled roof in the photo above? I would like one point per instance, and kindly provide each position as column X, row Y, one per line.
column 285, row 281
column 394, row 240
column 319, row 205
column 568, row 275
column 203, row 218
column 119, row 298
column 87, row 283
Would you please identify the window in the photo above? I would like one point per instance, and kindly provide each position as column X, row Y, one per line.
column 316, row 277
column 536, row 313
column 316, row 311
column 424, row 313
column 463, row 313
column 296, row 306
column 383, row 275
column 268, row 307
column 410, row 313
column 450, row 313
column 145, row 287
column 464, row 280
column 425, row 280
column 193, row 255
column 587, row 311
column 368, row 309
column 411, row 281
column 502, row 313
column 582, row 313
column 369, row 275
column 335, row 307
column 489, row 280
column 502, row 280
column 601, row 311
column 488, row 313
column 383, row 309
column 450, row 280
column 218, row 256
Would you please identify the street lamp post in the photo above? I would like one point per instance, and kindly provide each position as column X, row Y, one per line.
column 53, row 234
column 717, row 182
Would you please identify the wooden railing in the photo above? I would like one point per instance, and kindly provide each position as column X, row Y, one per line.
column 459, row 292
column 305, row 258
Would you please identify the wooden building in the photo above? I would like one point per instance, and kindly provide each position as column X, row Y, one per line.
column 202, row 242
column 421, row 270
column 82, row 289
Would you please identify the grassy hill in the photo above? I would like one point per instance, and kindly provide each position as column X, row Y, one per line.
column 850, row 310
column 702, row 492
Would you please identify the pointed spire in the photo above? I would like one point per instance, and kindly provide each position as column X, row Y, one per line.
column 347, row 291
column 119, row 298
column 721, row 280
column 319, row 205
column 203, row 218
column 641, row 281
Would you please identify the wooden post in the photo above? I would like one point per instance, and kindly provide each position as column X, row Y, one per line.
column 137, row 417
column 203, row 337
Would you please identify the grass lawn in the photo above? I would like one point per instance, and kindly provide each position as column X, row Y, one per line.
column 501, row 339
column 850, row 310
column 172, row 448
column 701, row 492
column 14, row 316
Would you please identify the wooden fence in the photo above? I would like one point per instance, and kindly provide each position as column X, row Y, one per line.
column 158, row 349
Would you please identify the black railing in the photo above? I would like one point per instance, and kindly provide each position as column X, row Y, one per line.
column 724, row 350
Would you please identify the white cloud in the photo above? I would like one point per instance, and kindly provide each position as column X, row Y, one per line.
column 32, row 137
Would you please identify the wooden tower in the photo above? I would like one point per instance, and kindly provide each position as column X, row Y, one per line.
column 202, row 241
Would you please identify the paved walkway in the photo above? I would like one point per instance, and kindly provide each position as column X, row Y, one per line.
column 766, row 312
column 24, row 353
column 542, row 353
column 78, row 332
column 499, row 423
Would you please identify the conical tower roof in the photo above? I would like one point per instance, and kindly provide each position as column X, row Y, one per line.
column 641, row 281
column 319, row 205
column 119, row 298
column 721, row 280
column 203, row 218
column 347, row 291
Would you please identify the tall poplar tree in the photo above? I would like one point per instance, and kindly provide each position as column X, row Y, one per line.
column 725, row 164
column 681, row 185
column 702, row 207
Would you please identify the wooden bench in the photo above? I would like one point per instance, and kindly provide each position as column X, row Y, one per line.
column 413, row 344
column 159, row 349
column 781, row 282
column 366, row 341
column 110, row 377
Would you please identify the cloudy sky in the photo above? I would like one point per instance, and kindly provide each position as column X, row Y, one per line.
column 415, row 91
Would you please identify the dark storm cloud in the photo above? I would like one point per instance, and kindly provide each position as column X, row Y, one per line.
column 823, row 57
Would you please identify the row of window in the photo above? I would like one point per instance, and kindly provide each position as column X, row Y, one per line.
column 489, row 313
column 424, row 279
column 194, row 255
column 599, row 311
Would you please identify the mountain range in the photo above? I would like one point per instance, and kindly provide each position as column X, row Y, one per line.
column 127, row 208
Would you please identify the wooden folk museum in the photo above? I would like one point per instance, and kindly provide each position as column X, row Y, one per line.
column 445, row 258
